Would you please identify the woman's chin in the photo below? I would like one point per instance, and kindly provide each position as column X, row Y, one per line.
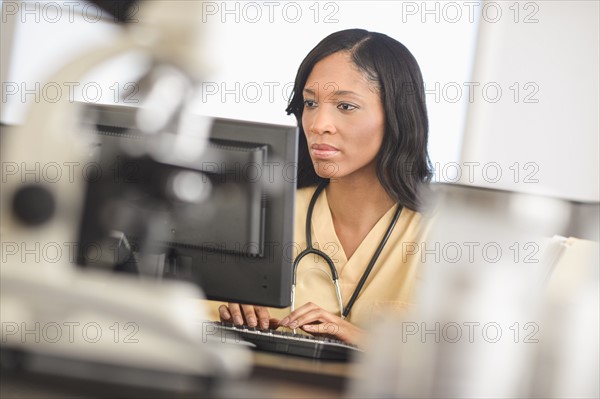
column 327, row 169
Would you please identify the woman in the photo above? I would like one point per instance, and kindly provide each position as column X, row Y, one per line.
column 360, row 105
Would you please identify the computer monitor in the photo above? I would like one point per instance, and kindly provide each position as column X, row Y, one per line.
column 223, row 220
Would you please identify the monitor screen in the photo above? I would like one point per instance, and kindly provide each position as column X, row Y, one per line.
column 223, row 220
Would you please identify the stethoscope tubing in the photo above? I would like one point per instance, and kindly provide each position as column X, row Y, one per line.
column 334, row 274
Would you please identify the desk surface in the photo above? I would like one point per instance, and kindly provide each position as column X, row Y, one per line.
column 280, row 376
column 330, row 376
column 273, row 376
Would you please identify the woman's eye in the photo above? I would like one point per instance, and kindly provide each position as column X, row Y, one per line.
column 310, row 103
column 346, row 107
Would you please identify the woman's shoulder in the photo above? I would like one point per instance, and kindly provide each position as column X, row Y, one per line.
column 417, row 225
column 303, row 196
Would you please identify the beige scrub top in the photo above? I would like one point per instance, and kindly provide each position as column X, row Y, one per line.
column 391, row 283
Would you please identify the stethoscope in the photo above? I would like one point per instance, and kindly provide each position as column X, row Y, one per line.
column 334, row 275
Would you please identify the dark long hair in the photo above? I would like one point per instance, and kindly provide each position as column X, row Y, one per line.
column 403, row 164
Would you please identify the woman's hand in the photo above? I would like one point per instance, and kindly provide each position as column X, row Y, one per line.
column 317, row 321
column 253, row 316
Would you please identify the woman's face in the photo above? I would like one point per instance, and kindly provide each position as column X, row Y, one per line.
column 343, row 119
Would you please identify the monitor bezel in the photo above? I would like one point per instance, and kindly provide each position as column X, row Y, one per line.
column 224, row 276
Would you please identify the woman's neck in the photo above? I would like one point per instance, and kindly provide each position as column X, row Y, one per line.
column 356, row 205
column 351, row 200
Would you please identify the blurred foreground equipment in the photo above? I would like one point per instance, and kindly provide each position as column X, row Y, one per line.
column 60, row 320
column 505, row 309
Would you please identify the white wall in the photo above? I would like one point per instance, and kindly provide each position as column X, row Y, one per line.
column 546, row 140
column 256, row 48
column 532, row 98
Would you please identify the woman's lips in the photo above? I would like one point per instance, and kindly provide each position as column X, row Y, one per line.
column 323, row 151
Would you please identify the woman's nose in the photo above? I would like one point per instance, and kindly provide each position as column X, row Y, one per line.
column 321, row 121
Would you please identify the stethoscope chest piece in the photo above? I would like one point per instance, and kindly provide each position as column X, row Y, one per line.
column 334, row 274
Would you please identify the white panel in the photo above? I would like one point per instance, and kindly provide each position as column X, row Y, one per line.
column 546, row 140
column 269, row 51
column 256, row 48
column 47, row 36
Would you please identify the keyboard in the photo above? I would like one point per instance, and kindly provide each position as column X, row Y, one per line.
column 285, row 342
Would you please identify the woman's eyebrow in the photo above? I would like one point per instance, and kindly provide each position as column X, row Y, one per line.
column 335, row 93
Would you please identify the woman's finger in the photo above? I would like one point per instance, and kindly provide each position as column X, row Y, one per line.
column 307, row 307
column 263, row 316
column 312, row 316
column 327, row 328
column 250, row 315
column 236, row 313
column 224, row 313
column 274, row 323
